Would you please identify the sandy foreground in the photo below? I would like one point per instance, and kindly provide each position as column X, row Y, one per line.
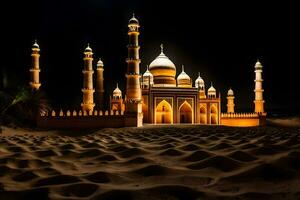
column 153, row 162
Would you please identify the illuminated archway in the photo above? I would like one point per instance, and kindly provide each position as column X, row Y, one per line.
column 213, row 115
column 163, row 113
column 202, row 115
column 185, row 113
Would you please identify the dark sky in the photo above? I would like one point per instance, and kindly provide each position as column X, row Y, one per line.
column 221, row 40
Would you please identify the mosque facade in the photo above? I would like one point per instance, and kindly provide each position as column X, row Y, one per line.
column 155, row 97
column 170, row 100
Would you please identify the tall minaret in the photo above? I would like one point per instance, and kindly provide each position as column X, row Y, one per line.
column 133, row 88
column 35, row 69
column 230, row 101
column 88, row 90
column 100, row 85
column 259, row 101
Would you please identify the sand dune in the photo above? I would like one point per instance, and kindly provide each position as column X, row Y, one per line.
column 153, row 162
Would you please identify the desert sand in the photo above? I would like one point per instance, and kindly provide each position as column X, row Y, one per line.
column 153, row 162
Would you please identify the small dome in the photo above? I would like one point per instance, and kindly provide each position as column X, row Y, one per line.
column 183, row 78
column 230, row 92
column 211, row 89
column 117, row 92
column 133, row 20
column 88, row 49
column 99, row 63
column 147, row 73
column 199, row 82
column 35, row 45
column 258, row 65
column 147, row 77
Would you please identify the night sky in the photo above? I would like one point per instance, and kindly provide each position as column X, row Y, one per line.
column 221, row 40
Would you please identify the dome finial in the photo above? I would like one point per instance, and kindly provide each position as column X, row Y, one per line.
column 198, row 74
column 162, row 48
column 133, row 15
column 211, row 83
column 147, row 67
column 117, row 85
column 182, row 67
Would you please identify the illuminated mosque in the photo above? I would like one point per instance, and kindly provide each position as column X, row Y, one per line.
column 156, row 97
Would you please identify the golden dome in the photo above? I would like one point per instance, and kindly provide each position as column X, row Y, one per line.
column 163, row 71
column 183, row 80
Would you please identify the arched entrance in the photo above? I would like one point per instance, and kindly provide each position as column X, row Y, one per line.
column 185, row 113
column 163, row 113
column 202, row 115
column 213, row 115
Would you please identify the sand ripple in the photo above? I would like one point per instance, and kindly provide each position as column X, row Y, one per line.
column 153, row 162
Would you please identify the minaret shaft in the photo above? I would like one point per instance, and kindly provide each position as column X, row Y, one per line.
column 133, row 88
column 100, row 86
column 88, row 90
column 35, row 68
column 230, row 104
column 259, row 101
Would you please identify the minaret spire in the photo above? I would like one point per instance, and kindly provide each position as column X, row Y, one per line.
column 100, row 85
column 88, row 90
column 35, row 68
column 259, row 101
column 230, row 101
column 133, row 87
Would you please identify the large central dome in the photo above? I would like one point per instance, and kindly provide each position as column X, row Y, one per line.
column 163, row 71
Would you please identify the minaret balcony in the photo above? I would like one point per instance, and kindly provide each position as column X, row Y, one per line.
column 87, row 71
column 86, row 90
column 133, row 46
column 131, row 60
column 133, row 32
column 34, row 70
column 133, row 75
column 258, row 90
column 258, row 80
